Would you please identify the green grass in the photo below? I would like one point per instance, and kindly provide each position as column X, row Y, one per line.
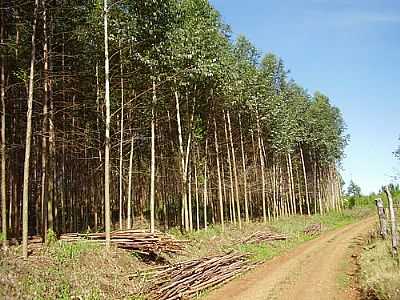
column 379, row 272
column 215, row 241
column 83, row 270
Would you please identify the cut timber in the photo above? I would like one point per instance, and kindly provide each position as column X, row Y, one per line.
column 139, row 241
column 313, row 229
column 264, row 236
column 186, row 279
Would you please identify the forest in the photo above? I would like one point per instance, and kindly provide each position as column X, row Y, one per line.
column 115, row 112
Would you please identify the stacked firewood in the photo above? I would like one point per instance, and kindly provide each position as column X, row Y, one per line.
column 264, row 236
column 313, row 229
column 186, row 279
column 139, row 241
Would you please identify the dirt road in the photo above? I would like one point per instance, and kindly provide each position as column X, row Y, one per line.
column 315, row 270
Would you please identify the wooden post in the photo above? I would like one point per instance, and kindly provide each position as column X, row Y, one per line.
column 393, row 222
column 382, row 218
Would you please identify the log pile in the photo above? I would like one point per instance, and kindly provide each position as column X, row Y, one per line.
column 186, row 279
column 264, row 236
column 313, row 229
column 140, row 241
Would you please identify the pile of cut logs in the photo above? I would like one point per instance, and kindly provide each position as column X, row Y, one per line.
column 186, row 279
column 264, row 236
column 139, row 241
column 313, row 229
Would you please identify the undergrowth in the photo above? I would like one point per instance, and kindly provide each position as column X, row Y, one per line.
column 83, row 270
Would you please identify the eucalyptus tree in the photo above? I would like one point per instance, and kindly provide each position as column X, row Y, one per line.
column 25, row 200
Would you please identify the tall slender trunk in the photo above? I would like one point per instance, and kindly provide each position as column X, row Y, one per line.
column 205, row 192
column 197, row 191
column 3, row 141
column 262, row 169
column 153, row 159
column 234, row 171
column 221, row 202
column 129, row 225
column 246, row 206
column 265, row 183
column 274, row 191
column 121, row 184
column 305, row 181
column 25, row 195
column 108, row 120
column 232, row 202
column 292, row 188
column 44, row 185
column 190, row 198
column 185, row 213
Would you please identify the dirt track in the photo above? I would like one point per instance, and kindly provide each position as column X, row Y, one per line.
column 315, row 270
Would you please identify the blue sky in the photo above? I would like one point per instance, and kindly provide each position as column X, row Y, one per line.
column 347, row 49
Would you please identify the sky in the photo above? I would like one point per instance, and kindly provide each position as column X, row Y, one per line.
column 350, row 51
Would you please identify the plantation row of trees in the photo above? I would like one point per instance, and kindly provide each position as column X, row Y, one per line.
column 114, row 112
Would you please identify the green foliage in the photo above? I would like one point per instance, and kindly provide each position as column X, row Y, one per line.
column 51, row 238
column 353, row 190
column 66, row 252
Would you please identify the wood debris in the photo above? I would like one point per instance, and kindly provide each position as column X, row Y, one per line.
column 186, row 279
column 140, row 241
column 313, row 229
column 264, row 236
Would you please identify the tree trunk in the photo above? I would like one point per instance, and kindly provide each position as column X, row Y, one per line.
column 190, row 198
column 232, row 202
column 205, row 192
column 153, row 160
column 246, row 206
column 234, row 172
column 221, row 203
column 3, row 141
column 262, row 170
column 121, row 139
column 305, row 181
column 129, row 225
column 25, row 195
column 197, row 191
column 185, row 212
column 107, row 146
column 291, row 181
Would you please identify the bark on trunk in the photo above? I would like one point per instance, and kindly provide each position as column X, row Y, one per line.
column 25, row 195
column 107, row 146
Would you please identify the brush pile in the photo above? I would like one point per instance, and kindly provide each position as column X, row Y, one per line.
column 313, row 229
column 264, row 236
column 140, row 241
column 185, row 280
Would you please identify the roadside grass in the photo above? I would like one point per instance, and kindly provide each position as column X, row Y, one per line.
column 379, row 274
column 83, row 270
column 61, row 270
column 214, row 241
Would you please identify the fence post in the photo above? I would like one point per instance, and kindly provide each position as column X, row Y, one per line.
column 382, row 218
column 393, row 221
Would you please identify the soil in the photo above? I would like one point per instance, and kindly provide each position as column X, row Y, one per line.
column 316, row 270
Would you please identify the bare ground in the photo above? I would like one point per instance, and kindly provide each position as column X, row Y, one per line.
column 316, row 270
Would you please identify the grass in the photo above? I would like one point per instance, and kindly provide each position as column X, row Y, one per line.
column 214, row 241
column 82, row 270
column 379, row 272
column 62, row 270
